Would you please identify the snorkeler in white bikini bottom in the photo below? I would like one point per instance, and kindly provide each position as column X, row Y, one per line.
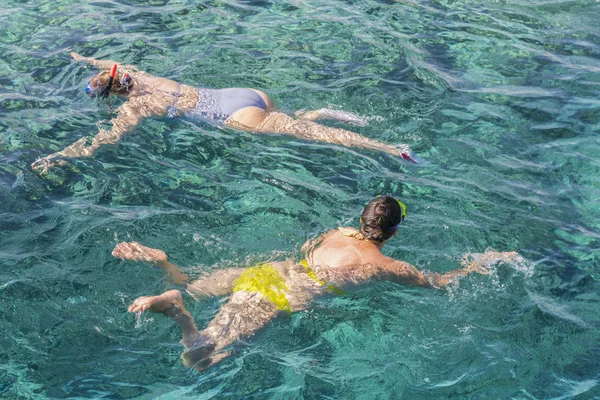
column 241, row 108
column 336, row 261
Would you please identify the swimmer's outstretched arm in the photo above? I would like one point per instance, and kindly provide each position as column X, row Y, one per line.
column 382, row 268
column 104, row 64
column 129, row 115
column 406, row 274
column 476, row 262
column 137, row 252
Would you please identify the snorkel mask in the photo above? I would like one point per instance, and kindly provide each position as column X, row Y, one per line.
column 403, row 214
column 403, row 207
column 94, row 91
column 89, row 90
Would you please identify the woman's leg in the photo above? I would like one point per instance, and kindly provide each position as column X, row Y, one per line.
column 241, row 316
column 170, row 304
column 257, row 120
column 330, row 114
column 277, row 122
column 137, row 252
column 217, row 283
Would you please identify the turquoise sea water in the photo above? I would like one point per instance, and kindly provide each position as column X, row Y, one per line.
column 501, row 100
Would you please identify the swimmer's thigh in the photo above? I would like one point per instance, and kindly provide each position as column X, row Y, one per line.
column 217, row 283
column 278, row 122
column 241, row 316
column 247, row 119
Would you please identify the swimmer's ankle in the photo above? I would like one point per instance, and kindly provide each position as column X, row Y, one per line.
column 170, row 304
column 197, row 341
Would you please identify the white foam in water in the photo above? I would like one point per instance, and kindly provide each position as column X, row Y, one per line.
column 518, row 263
column 141, row 321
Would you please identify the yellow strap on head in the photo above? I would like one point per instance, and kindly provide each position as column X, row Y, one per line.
column 403, row 207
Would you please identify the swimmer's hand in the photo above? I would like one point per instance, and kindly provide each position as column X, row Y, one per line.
column 136, row 252
column 482, row 262
column 77, row 149
column 49, row 161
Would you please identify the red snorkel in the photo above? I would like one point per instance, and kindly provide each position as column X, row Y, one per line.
column 106, row 91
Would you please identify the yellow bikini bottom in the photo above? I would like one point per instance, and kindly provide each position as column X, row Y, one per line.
column 264, row 279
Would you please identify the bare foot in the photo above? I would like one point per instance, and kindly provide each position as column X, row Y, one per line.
column 136, row 252
column 404, row 151
column 159, row 304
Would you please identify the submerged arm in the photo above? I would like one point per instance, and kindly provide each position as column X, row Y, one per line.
column 473, row 262
column 401, row 272
column 104, row 64
column 407, row 274
column 386, row 268
column 129, row 115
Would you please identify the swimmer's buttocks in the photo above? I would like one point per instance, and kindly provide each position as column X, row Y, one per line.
column 264, row 279
column 218, row 105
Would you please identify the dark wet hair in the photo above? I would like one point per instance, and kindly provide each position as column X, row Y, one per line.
column 380, row 218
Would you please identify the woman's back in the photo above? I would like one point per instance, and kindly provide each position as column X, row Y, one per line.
column 343, row 248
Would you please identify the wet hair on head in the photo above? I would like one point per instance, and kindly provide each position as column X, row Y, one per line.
column 121, row 83
column 380, row 218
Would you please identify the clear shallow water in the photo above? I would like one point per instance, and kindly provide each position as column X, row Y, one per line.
column 500, row 99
